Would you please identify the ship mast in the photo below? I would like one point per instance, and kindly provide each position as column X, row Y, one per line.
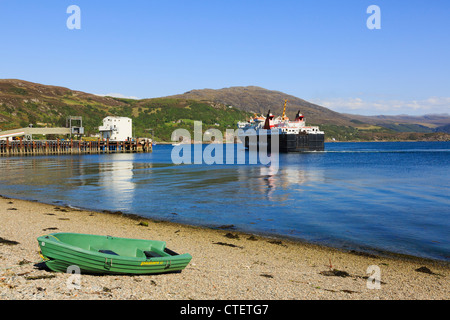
column 284, row 109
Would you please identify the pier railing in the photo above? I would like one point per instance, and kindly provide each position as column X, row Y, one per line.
column 42, row 147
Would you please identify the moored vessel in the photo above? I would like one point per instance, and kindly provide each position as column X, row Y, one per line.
column 293, row 136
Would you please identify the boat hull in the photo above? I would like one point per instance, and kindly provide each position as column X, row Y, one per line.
column 59, row 255
column 287, row 142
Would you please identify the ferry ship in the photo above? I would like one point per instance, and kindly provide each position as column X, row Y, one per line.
column 294, row 136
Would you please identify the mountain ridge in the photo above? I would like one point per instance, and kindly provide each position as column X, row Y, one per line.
column 259, row 100
column 23, row 102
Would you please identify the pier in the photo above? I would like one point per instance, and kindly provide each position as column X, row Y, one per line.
column 64, row 147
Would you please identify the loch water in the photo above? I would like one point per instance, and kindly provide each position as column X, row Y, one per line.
column 374, row 196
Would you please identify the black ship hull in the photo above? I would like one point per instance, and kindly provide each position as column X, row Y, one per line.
column 302, row 142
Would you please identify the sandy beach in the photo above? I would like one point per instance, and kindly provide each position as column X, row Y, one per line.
column 225, row 265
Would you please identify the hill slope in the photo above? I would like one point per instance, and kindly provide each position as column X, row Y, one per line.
column 23, row 102
column 259, row 100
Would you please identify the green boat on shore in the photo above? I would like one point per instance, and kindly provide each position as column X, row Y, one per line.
column 109, row 255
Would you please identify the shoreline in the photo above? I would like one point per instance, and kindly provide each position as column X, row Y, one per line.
column 362, row 251
column 226, row 264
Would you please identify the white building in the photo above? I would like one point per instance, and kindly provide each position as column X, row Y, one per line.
column 116, row 128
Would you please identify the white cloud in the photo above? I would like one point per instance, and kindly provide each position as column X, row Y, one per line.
column 118, row 95
column 434, row 105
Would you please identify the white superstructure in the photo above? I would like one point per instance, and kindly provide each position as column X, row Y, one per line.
column 279, row 125
column 116, row 128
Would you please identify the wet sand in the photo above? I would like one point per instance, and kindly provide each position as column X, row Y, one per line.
column 225, row 265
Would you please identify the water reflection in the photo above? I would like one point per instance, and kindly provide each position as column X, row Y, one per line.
column 116, row 181
column 278, row 184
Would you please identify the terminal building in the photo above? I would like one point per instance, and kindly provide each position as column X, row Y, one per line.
column 116, row 129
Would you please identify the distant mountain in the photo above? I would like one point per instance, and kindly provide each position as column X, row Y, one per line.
column 259, row 100
column 407, row 123
column 336, row 125
column 23, row 103
column 444, row 128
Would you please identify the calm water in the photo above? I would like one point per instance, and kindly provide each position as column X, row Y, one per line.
column 364, row 196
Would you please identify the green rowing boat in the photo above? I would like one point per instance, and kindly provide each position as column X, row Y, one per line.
column 109, row 255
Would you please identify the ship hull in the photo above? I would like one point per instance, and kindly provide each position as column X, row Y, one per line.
column 288, row 143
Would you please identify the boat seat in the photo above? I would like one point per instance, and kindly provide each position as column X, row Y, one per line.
column 108, row 252
column 172, row 253
column 151, row 254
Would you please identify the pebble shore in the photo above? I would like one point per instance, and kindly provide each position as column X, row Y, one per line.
column 226, row 264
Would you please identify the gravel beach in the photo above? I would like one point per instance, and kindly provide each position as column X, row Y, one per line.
column 225, row 265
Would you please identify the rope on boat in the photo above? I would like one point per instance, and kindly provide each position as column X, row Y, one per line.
column 50, row 235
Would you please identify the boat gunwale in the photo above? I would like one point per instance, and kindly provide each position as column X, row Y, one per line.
column 50, row 239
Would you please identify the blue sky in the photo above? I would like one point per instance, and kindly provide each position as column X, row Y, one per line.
column 318, row 50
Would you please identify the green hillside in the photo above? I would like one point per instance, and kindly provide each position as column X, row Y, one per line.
column 164, row 115
column 23, row 103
